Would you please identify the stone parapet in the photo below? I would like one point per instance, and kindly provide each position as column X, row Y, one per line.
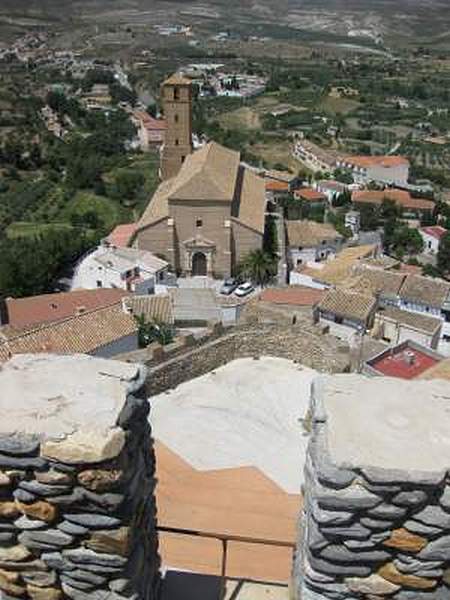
column 77, row 507
column 376, row 519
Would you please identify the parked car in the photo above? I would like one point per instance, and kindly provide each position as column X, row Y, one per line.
column 244, row 289
column 228, row 286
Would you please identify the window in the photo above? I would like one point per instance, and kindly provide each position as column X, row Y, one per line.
column 177, row 142
column 176, row 118
column 198, row 222
column 99, row 283
column 300, row 248
column 176, row 93
column 182, row 159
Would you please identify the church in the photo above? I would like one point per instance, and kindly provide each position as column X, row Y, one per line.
column 208, row 212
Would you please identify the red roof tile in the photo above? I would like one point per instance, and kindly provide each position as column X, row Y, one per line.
column 404, row 362
column 48, row 308
column 310, row 195
column 435, row 231
column 272, row 185
column 294, row 295
column 121, row 235
column 378, row 161
column 400, row 197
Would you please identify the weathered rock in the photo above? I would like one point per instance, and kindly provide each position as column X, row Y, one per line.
column 50, row 537
column 341, row 554
column 444, row 500
column 438, row 549
column 54, row 477
column 39, row 510
column 355, row 531
column 7, row 537
column 387, row 511
column 410, row 564
column 22, row 464
column 434, row 516
column 402, row 539
column 23, row 496
column 421, row 528
column 5, row 480
column 11, row 587
column 349, row 499
column 18, row 445
column 43, row 489
column 87, row 577
column 13, row 554
column 10, row 576
column 85, row 447
column 25, row 523
column 410, row 498
column 92, row 521
column 40, row 593
column 7, row 526
column 9, row 510
column 56, row 561
column 76, row 496
column 23, row 567
column 392, row 574
column 339, row 570
column 72, row 529
column 86, row 556
column 374, row 584
column 115, row 541
column 316, row 540
column 100, row 480
column 43, row 579
column 76, row 594
column 108, row 502
column 328, row 517
column 376, row 524
column 396, row 476
column 84, row 586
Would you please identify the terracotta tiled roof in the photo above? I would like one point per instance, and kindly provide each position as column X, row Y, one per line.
column 121, row 235
column 47, row 308
column 435, row 231
column 377, row 161
column 337, row 270
column 81, row 334
column 211, row 174
column 372, row 281
column 310, row 195
column 348, row 304
column 149, row 122
column 273, row 185
column 293, row 295
column 423, row 323
column 309, row 233
column 425, row 290
column 400, row 197
column 154, row 308
column 177, row 79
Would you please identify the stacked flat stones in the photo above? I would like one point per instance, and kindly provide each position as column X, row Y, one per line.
column 371, row 533
column 77, row 517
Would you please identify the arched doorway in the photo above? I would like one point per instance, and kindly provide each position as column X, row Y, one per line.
column 199, row 264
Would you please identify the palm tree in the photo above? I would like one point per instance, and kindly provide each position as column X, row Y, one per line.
column 258, row 266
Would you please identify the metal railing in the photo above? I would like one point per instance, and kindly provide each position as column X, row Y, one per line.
column 224, row 538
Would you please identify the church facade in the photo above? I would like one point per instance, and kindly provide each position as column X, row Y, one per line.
column 208, row 213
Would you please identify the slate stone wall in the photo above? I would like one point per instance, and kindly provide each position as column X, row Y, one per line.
column 77, row 523
column 304, row 343
column 370, row 533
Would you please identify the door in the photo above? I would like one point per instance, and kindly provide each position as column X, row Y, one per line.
column 199, row 264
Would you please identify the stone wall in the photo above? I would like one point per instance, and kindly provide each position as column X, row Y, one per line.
column 376, row 520
column 303, row 343
column 77, row 507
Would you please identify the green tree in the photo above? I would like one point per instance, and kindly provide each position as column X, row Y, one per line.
column 259, row 267
column 128, row 184
column 153, row 331
column 443, row 256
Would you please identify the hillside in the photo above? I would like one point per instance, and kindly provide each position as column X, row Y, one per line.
column 390, row 21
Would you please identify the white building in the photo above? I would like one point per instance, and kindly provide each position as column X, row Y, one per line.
column 310, row 242
column 431, row 237
column 332, row 189
column 387, row 170
column 353, row 222
column 129, row 269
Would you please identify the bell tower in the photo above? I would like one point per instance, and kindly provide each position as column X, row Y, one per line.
column 176, row 95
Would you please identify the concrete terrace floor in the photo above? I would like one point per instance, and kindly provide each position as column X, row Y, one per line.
column 230, row 450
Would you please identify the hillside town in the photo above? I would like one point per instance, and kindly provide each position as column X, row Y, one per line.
column 224, row 315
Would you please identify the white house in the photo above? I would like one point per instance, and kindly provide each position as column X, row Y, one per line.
column 353, row 221
column 332, row 189
column 310, row 242
column 387, row 170
column 431, row 237
column 129, row 269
